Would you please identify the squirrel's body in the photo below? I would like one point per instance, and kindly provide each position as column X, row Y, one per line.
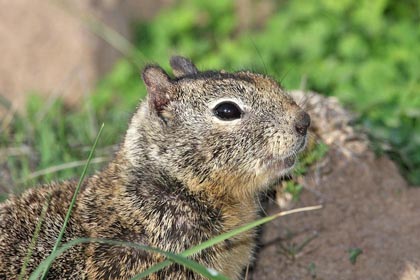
column 195, row 156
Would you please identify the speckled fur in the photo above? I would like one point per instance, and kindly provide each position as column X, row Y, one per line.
column 181, row 176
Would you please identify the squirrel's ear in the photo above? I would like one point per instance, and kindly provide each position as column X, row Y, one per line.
column 158, row 85
column 182, row 66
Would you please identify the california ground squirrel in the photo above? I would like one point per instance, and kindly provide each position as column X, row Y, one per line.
column 197, row 152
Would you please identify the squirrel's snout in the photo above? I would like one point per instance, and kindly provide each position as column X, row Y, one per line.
column 302, row 123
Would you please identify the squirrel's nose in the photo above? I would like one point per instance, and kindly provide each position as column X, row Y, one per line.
column 302, row 123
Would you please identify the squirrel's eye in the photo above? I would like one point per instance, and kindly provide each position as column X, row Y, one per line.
column 227, row 111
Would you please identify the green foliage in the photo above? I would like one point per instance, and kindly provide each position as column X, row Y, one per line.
column 291, row 249
column 50, row 135
column 294, row 189
column 354, row 253
column 314, row 153
column 312, row 270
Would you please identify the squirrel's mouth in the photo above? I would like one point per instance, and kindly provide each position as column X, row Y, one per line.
column 282, row 164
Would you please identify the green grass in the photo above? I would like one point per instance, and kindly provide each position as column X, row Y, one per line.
column 354, row 253
column 181, row 258
column 171, row 258
column 52, row 147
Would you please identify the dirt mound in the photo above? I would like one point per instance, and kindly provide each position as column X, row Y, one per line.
column 368, row 208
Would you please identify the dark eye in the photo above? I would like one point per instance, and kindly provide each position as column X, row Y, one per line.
column 227, row 111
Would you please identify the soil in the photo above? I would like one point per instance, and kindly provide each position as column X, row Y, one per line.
column 367, row 206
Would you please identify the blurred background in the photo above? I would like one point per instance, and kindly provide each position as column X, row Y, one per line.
column 68, row 66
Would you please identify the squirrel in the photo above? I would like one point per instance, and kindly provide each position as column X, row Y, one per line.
column 198, row 151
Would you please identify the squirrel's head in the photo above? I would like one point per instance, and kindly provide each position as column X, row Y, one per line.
column 231, row 133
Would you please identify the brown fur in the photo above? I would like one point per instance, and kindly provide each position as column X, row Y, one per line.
column 181, row 177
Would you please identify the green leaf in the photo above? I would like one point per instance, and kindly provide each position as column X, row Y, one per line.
column 353, row 254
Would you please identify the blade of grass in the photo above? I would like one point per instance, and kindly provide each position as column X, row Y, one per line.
column 60, row 167
column 34, row 238
column 196, row 267
column 180, row 258
column 73, row 201
column 223, row 237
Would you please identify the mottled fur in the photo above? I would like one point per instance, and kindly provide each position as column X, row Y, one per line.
column 181, row 176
